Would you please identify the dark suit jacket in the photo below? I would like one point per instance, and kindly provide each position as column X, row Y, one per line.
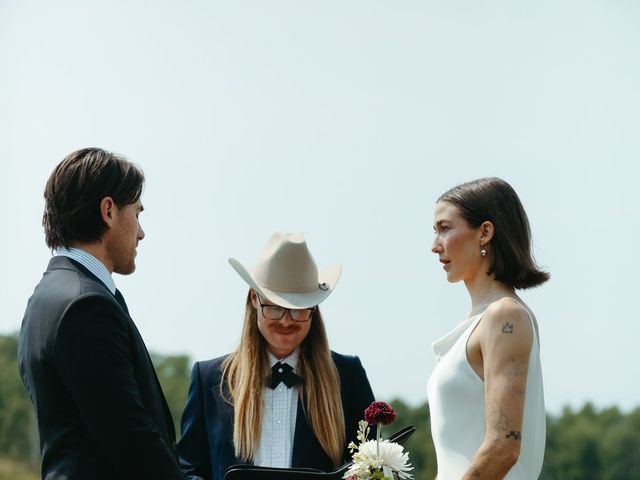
column 100, row 409
column 206, row 448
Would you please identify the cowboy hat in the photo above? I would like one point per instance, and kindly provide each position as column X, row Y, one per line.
column 287, row 275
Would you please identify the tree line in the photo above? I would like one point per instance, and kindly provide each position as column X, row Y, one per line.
column 584, row 444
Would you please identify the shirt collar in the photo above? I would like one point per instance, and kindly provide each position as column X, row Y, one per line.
column 292, row 359
column 91, row 263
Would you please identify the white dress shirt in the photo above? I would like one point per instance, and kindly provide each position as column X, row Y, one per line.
column 279, row 411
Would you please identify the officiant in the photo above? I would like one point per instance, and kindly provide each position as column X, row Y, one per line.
column 282, row 398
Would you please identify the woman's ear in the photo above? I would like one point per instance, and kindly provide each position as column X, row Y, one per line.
column 254, row 298
column 486, row 232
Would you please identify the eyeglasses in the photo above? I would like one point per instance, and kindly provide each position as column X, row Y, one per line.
column 275, row 312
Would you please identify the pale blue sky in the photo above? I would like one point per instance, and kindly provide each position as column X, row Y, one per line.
column 344, row 120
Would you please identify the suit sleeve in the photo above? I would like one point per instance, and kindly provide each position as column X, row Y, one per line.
column 93, row 356
column 193, row 447
column 358, row 396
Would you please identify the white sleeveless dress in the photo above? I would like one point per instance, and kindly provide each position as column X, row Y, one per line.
column 456, row 404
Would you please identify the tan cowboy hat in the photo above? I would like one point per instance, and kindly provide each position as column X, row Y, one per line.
column 287, row 275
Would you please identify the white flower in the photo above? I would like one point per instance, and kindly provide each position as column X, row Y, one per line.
column 389, row 455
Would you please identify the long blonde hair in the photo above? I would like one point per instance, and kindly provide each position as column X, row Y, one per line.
column 246, row 371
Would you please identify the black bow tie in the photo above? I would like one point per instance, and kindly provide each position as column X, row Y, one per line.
column 283, row 372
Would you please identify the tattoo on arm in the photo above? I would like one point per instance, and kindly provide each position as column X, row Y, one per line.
column 507, row 328
column 502, row 422
column 518, row 391
column 514, row 434
column 516, row 367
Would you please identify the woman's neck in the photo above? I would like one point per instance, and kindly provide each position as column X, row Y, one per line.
column 484, row 291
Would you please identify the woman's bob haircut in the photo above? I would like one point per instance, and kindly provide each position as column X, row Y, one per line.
column 494, row 200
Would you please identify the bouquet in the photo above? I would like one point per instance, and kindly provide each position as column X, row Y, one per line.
column 377, row 459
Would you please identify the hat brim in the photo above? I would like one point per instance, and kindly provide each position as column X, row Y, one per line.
column 327, row 277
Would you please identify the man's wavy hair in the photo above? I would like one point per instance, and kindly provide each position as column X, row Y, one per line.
column 75, row 189
column 495, row 200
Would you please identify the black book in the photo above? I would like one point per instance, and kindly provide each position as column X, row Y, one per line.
column 250, row 472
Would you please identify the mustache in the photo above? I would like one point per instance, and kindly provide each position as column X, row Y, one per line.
column 289, row 329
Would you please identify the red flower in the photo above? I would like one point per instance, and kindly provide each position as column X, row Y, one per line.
column 379, row 412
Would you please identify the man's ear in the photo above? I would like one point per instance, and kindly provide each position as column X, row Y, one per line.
column 486, row 232
column 108, row 210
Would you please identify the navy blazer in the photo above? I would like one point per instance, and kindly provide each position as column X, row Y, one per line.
column 100, row 409
column 206, row 449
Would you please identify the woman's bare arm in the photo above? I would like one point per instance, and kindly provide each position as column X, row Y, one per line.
column 505, row 336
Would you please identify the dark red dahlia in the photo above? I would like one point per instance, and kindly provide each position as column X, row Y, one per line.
column 379, row 412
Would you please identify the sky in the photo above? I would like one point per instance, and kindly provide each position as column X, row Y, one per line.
column 344, row 120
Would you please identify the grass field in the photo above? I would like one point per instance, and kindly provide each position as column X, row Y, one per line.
column 14, row 470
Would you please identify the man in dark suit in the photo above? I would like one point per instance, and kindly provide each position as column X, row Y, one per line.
column 282, row 399
column 100, row 409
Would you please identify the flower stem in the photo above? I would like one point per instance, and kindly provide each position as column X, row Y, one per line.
column 378, row 436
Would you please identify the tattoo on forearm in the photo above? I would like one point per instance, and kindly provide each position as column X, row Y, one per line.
column 518, row 391
column 507, row 328
column 514, row 434
column 516, row 367
column 502, row 422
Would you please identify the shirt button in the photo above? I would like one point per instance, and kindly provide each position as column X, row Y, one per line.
column 280, row 389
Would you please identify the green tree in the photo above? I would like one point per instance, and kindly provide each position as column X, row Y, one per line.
column 420, row 445
column 18, row 437
column 620, row 446
column 589, row 444
column 174, row 375
column 573, row 451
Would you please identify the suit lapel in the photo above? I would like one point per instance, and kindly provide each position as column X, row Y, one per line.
column 222, row 424
column 121, row 301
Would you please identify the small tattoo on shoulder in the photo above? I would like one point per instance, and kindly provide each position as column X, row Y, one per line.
column 514, row 434
column 475, row 473
column 507, row 328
